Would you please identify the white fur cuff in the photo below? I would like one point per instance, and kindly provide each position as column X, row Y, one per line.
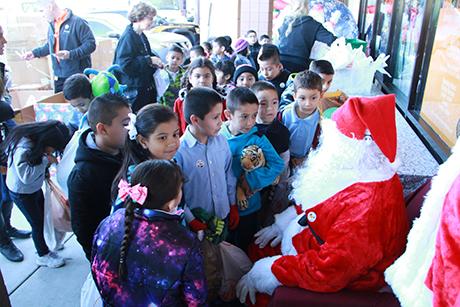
column 283, row 219
column 262, row 277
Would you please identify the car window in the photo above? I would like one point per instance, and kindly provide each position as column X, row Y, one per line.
column 165, row 4
column 99, row 29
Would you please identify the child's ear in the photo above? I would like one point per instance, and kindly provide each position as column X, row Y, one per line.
column 142, row 141
column 195, row 120
column 227, row 114
column 293, row 95
column 280, row 66
column 227, row 77
column 222, row 48
column 322, row 95
column 101, row 129
column 169, row 207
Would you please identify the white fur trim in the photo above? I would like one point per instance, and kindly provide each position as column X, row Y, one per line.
column 407, row 275
column 287, row 248
column 283, row 219
column 262, row 276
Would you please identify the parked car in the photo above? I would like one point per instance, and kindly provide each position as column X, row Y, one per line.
column 109, row 25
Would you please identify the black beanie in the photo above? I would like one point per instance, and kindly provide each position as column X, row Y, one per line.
column 244, row 68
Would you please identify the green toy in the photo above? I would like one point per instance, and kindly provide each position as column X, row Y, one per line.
column 105, row 81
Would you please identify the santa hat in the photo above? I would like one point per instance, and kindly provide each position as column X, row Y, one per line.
column 376, row 114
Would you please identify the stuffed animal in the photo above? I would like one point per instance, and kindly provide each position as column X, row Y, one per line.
column 251, row 159
column 104, row 81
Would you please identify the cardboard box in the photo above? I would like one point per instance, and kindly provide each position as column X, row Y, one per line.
column 102, row 58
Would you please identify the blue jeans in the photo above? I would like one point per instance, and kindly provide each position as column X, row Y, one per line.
column 6, row 205
column 32, row 206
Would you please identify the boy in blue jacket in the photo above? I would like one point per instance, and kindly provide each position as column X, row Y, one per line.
column 240, row 131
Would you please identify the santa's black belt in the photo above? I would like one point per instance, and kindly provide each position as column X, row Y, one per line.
column 304, row 222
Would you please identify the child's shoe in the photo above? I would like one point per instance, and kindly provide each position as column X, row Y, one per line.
column 51, row 260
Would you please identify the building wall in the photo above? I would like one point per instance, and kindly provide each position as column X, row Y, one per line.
column 256, row 15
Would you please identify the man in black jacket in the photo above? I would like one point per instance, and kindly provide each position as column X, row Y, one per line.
column 70, row 41
column 97, row 161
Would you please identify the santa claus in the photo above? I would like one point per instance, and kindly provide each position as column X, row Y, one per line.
column 350, row 221
column 427, row 273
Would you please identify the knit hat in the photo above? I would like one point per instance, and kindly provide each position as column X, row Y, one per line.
column 244, row 68
column 104, row 82
column 241, row 44
column 377, row 114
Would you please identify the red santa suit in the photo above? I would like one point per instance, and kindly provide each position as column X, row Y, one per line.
column 359, row 213
column 427, row 273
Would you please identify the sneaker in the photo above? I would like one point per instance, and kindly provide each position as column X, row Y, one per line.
column 51, row 260
column 11, row 252
column 19, row 234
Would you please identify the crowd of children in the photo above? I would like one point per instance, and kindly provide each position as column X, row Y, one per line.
column 144, row 185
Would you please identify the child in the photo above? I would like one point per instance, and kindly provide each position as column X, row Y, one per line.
column 172, row 73
column 97, row 161
column 240, row 131
column 220, row 45
column 254, row 47
column 78, row 92
column 154, row 134
column 205, row 157
column 224, row 75
column 325, row 70
column 200, row 73
column 245, row 76
column 30, row 149
column 142, row 255
column 271, row 69
column 242, row 53
column 278, row 135
column 207, row 48
column 196, row 52
column 265, row 39
column 302, row 117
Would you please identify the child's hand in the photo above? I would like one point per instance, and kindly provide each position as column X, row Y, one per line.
column 297, row 161
column 243, row 183
column 343, row 97
column 52, row 158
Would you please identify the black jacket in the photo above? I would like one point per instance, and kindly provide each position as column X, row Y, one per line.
column 296, row 47
column 76, row 37
column 89, row 186
column 134, row 59
column 279, row 82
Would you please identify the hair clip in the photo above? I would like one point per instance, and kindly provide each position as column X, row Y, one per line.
column 137, row 193
column 131, row 127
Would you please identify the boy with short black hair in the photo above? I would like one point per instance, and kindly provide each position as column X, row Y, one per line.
column 240, row 131
column 219, row 46
column 204, row 155
column 224, row 74
column 196, row 52
column 97, row 161
column 302, row 117
column 271, row 69
column 264, row 39
column 325, row 70
column 254, row 47
column 172, row 74
column 78, row 92
column 278, row 135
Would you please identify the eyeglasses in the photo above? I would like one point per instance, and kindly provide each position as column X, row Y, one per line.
column 149, row 17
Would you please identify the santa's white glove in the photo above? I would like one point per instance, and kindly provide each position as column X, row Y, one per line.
column 266, row 234
column 245, row 286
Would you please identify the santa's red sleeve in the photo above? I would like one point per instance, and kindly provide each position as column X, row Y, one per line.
column 364, row 228
column 179, row 110
column 443, row 275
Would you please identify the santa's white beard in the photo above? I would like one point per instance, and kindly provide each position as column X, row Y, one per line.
column 339, row 162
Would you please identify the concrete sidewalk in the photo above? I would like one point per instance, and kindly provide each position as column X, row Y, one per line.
column 31, row 285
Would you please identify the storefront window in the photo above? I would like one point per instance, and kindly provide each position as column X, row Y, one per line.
column 386, row 10
column 408, row 44
column 441, row 100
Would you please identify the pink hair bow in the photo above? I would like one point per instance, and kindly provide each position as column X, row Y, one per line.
column 137, row 193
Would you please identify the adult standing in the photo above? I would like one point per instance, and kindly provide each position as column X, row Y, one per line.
column 137, row 60
column 298, row 33
column 70, row 41
column 7, row 247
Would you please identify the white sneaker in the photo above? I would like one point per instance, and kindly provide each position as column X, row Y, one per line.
column 51, row 260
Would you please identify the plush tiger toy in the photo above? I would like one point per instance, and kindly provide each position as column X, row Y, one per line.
column 251, row 159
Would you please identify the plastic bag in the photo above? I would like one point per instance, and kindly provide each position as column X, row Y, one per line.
column 235, row 264
column 56, row 215
column 213, row 268
column 90, row 296
column 161, row 82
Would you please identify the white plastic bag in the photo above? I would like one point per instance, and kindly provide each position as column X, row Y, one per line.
column 53, row 237
column 90, row 296
column 161, row 82
column 235, row 264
